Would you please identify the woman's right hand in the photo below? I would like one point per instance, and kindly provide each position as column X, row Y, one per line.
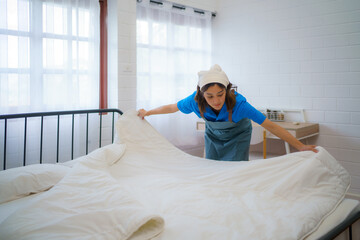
column 142, row 113
column 170, row 108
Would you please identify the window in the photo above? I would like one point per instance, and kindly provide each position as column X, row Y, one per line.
column 49, row 55
column 172, row 47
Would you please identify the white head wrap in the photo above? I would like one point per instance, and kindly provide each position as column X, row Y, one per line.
column 214, row 75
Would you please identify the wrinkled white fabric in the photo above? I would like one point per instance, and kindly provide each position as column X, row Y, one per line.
column 23, row 181
column 86, row 204
column 280, row 198
column 183, row 196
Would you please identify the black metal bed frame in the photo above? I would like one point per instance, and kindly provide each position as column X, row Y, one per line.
column 42, row 115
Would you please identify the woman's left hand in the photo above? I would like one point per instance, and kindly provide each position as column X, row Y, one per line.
column 308, row 148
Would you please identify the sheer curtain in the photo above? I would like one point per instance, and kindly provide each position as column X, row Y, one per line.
column 49, row 55
column 49, row 60
column 172, row 46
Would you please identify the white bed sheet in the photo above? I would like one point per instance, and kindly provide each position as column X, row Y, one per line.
column 87, row 203
column 280, row 198
column 345, row 208
column 8, row 208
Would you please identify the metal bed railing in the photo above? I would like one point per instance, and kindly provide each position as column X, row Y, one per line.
column 42, row 115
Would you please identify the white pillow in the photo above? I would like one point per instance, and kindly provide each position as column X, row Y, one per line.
column 73, row 162
column 22, row 181
column 109, row 155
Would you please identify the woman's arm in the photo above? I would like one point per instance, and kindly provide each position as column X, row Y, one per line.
column 171, row 108
column 286, row 136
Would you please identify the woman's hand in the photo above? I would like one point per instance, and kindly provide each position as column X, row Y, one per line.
column 171, row 108
column 286, row 136
column 308, row 148
column 142, row 113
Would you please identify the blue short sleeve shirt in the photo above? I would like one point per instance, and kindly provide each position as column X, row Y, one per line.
column 242, row 109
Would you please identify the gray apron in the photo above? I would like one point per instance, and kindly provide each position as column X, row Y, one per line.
column 228, row 141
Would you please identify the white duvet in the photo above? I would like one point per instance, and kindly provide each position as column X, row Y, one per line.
column 143, row 187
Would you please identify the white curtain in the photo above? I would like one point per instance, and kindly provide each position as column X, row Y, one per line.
column 49, row 60
column 173, row 45
column 49, row 55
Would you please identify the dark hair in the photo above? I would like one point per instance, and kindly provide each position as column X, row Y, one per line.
column 230, row 99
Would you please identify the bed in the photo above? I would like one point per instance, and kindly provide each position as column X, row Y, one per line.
column 139, row 186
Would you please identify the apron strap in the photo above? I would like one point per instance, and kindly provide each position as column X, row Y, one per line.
column 230, row 115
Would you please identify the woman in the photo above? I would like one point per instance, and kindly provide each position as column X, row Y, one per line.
column 226, row 113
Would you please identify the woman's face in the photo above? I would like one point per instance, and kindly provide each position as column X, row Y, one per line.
column 215, row 96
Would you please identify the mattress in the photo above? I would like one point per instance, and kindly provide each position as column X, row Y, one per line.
column 345, row 209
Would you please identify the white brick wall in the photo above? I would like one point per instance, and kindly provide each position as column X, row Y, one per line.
column 126, row 54
column 298, row 54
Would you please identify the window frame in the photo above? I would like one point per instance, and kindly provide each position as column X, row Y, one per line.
column 36, row 35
